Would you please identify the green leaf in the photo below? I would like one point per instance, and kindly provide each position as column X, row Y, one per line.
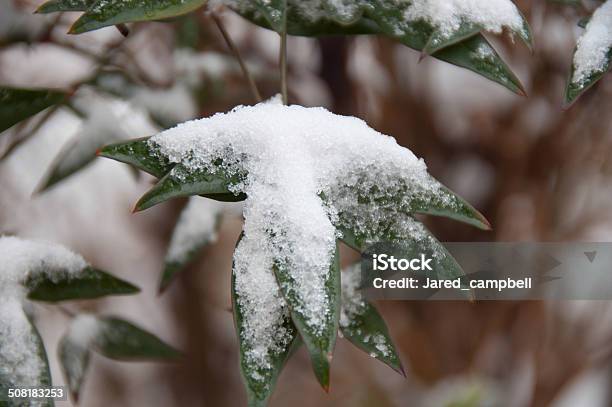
column 443, row 202
column 8, row 379
column 196, row 228
column 575, row 89
column 122, row 340
column 106, row 13
column 580, row 81
column 412, row 240
column 73, row 157
column 361, row 323
column 53, row 6
column 472, row 52
column 140, row 154
column 87, row 284
column 260, row 378
column 319, row 340
column 180, row 182
column 74, row 361
column 19, row 104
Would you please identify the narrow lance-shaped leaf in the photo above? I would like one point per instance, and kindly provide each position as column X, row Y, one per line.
column 444, row 202
column 122, row 340
column 196, row 228
column 408, row 239
column 74, row 356
column 466, row 48
column 266, row 333
column 20, row 104
column 319, row 337
column 23, row 359
column 86, row 284
column 180, row 182
column 361, row 323
column 53, row 6
column 138, row 153
column 593, row 54
column 112, row 337
column 106, row 13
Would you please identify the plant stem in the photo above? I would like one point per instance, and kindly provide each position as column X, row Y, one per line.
column 283, row 64
column 283, row 56
column 234, row 50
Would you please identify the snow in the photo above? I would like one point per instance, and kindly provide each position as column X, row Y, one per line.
column 286, row 158
column 593, row 48
column 21, row 260
column 83, row 330
column 448, row 15
column 353, row 302
column 445, row 15
column 196, row 226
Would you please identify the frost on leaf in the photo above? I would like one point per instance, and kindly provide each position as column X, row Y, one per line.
column 361, row 324
column 593, row 52
column 21, row 362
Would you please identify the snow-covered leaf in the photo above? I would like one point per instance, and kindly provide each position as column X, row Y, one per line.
column 53, row 6
column 87, row 283
column 196, row 228
column 593, row 54
column 19, row 104
column 361, row 323
column 112, row 337
column 74, row 353
column 266, row 333
column 318, row 332
column 408, row 236
column 430, row 26
column 106, row 13
column 48, row 272
column 23, row 359
column 139, row 153
column 180, row 182
column 105, row 120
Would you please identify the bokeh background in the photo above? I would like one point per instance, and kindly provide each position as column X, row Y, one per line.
column 537, row 172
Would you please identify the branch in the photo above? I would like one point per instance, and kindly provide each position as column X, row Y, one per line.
column 234, row 50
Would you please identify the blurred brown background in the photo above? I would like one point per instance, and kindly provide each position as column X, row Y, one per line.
column 537, row 172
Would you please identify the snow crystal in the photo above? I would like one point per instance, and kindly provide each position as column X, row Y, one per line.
column 20, row 260
column 300, row 164
column 448, row 15
column 593, row 49
column 196, row 226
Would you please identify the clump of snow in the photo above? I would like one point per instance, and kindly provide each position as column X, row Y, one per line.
column 83, row 330
column 593, row 49
column 300, row 164
column 264, row 330
column 196, row 226
column 21, row 260
column 447, row 16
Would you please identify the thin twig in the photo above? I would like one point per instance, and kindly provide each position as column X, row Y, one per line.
column 234, row 49
column 283, row 68
column 22, row 138
column 283, row 63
